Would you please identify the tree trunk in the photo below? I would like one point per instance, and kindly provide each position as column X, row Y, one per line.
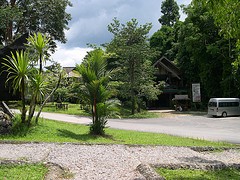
column 24, row 110
column 40, row 63
column 132, row 86
column 139, row 105
column 6, row 109
column 94, row 110
column 48, row 97
column 31, row 109
column 133, row 104
column 9, row 29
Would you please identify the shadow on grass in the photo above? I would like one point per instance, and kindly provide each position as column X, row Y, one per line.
column 72, row 135
column 200, row 160
column 82, row 137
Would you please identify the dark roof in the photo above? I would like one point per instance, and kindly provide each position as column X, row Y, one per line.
column 71, row 72
column 169, row 66
column 18, row 44
column 5, row 91
column 68, row 69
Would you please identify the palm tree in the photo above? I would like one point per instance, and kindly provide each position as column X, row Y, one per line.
column 37, row 88
column 96, row 91
column 39, row 43
column 18, row 69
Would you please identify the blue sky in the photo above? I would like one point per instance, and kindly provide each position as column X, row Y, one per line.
column 91, row 17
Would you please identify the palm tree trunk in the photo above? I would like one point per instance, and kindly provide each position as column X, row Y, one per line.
column 48, row 97
column 32, row 109
column 94, row 110
column 40, row 59
column 24, row 110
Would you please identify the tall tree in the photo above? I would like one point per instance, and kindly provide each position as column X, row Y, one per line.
column 132, row 57
column 165, row 38
column 9, row 13
column 163, row 41
column 170, row 11
column 40, row 44
column 203, row 55
column 227, row 16
column 34, row 16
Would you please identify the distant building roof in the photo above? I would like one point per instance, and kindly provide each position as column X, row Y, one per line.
column 166, row 65
column 70, row 71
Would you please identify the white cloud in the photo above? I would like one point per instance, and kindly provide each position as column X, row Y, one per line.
column 91, row 17
column 70, row 57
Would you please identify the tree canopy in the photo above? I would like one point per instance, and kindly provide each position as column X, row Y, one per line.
column 21, row 16
column 132, row 57
column 204, row 47
column 226, row 15
column 170, row 11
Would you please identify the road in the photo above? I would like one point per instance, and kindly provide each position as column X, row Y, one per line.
column 201, row 127
column 195, row 126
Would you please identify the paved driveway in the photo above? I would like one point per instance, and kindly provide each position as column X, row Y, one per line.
column 196, row 126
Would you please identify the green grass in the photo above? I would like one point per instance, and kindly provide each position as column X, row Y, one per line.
column 53, row 131
column 75, row 109
column 187, row 174
column 126, row 113
column 23, row 172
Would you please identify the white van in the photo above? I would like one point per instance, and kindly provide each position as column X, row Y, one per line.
column 224, row 107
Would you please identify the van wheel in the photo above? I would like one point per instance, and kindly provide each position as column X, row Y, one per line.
column 224, row 114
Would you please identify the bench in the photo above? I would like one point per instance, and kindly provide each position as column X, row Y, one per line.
column 61, row 106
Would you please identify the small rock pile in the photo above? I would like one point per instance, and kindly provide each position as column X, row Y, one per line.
column 5, row 123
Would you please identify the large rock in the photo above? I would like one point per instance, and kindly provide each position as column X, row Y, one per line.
column 5, row 123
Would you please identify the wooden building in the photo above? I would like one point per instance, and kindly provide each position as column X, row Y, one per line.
column 170, row 74
column 6, row 92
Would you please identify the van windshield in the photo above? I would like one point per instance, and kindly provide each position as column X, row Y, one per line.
column 212, row 104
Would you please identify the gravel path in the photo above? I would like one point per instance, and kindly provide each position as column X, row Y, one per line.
column 112, row 162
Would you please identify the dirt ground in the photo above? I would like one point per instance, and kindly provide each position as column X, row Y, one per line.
column 172, row 113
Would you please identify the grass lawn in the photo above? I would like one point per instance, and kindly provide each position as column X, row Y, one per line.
column 24, row 171
column 187, row 174
column 75, row 109
column 54, row 131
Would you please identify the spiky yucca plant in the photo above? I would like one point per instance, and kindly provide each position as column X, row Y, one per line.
column 18, row 69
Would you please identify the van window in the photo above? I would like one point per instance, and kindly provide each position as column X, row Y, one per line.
column 228, row 104
column 212, row 104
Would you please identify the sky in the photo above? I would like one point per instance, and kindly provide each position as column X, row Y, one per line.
column 90, row 19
